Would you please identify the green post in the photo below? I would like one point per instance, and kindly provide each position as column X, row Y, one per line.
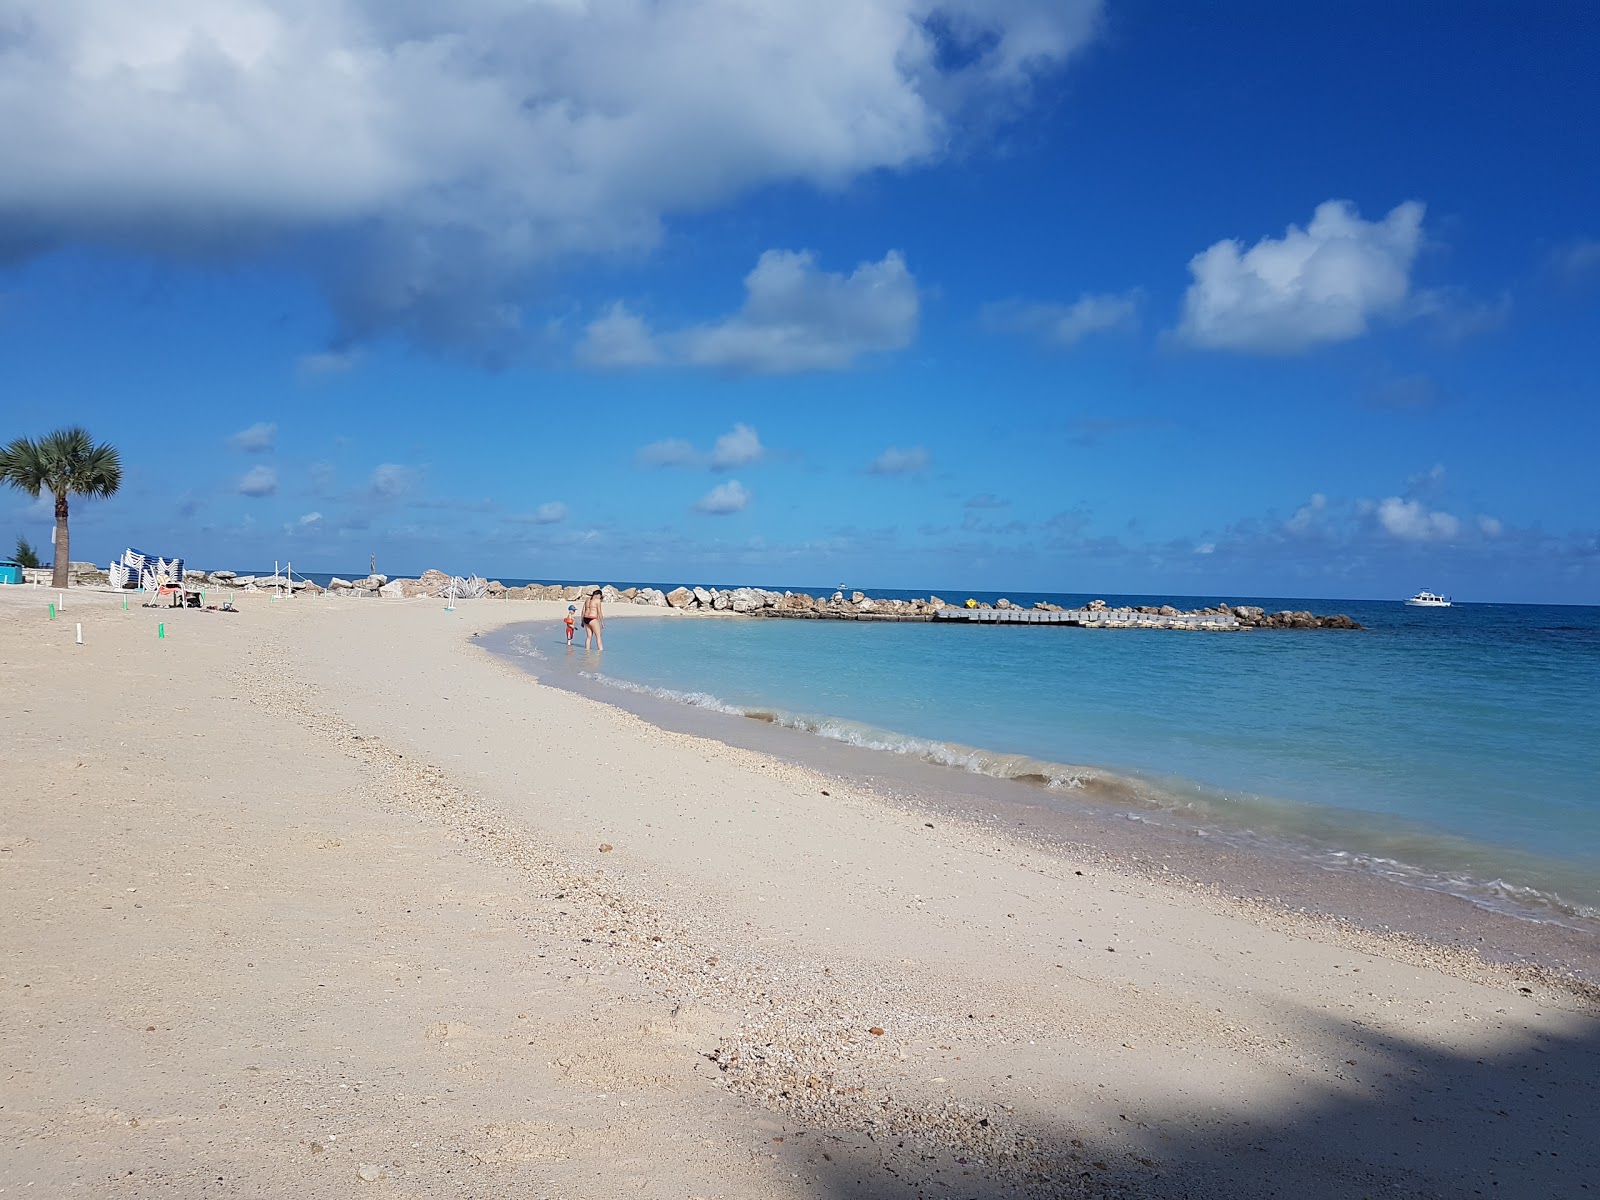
column 161, row 630
column 124, row 604
column 52, row 612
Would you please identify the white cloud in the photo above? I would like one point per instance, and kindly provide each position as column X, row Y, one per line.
column 552, row 513
column 672, row 452
column 618, row 339
column 730, row 497
column 739, row 447
column 1308, row 514
column 1412, row 521
column 898, row 461
column 458, row 148
column 1067, row 324
column 1313, row 286
column 393, row 480
column 1206, row 548
column 258, row 481
column 310, row 519
column 257, row 439
column 1490, row 527
column 797, row 318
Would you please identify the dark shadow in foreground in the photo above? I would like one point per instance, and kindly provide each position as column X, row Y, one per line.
column 1405, row 1120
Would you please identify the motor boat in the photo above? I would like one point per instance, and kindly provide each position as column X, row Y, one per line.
column 1429, row 600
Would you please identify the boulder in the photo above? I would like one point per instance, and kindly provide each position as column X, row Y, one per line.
column 679, row 597
column 857, row 597
column 629, row 594
column 1249, row 614
column 335, row 584
column 935, row 602
column 222, row 576
column 610, row 595
column 721, row 602
column 703, row 598
column 745, row 600
column 395, row 590
column 1003, row 603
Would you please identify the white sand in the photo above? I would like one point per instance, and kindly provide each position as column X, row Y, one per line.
column 319, row 887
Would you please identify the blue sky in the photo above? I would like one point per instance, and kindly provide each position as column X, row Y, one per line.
column 1231, row 299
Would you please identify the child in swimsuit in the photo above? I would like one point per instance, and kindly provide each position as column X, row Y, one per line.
column 571, row 608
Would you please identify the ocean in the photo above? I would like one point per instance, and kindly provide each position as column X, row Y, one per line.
column 1451, row 749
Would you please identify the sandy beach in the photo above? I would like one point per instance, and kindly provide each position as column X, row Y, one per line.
column 322, row 899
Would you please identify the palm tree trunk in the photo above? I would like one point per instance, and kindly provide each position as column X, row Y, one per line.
column 59, row 575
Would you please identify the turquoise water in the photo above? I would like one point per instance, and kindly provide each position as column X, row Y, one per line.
column 1459, row 746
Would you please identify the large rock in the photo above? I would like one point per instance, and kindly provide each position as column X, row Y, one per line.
column 679, row 597
column 394, row 590
column 335, row 584
column 721, row 601
column 222, row 576
column 610, row 594
column 702, row 597
column 745, row 600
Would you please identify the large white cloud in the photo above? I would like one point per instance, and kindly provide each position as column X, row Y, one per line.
column 1316, row 285
column 460, row 146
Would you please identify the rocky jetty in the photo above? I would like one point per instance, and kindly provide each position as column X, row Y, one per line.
column 763, row 602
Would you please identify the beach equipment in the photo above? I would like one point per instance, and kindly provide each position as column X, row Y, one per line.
column 161, row 630
column 52, row 612
column 10, row 571
column 135, row 568
column 80, row 634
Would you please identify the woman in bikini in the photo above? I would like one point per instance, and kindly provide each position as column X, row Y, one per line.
column 593, row 621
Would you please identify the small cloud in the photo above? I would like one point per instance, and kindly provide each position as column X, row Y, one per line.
column 1490, row 527
column 1411, row 521
column 1404, row 392
column 552, row 513
column 672, row 452
column 258, row 481
column 1311, row 287
column 725, row 498
column 798, row 318
column 1308, row 514
column 310, row 519
column 323, row 478
column 619, row 339
column 1578, row 258
column 1457, row 317
column 258, row 439
column 1206, row 548
column 739, row 447
column 393, row 480
column 1425, row 483
column 986, row 500
column 327, row 362
column 897, row 461
column 1066, row 324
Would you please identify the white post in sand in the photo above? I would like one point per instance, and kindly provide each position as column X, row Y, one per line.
column 80, row 634
column 61, row 602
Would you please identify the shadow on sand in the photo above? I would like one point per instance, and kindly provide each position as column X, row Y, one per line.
column 1405, row 1120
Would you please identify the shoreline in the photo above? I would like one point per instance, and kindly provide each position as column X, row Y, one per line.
column 1287, row 879
column 490, row 938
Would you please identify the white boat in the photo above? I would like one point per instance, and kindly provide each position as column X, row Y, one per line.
column 1429, row 600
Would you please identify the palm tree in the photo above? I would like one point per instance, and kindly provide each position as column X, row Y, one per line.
column 63, row 463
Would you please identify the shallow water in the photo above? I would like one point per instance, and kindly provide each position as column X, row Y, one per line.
column 1451, row 747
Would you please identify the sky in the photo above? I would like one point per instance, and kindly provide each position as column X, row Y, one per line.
column 1237, row 299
